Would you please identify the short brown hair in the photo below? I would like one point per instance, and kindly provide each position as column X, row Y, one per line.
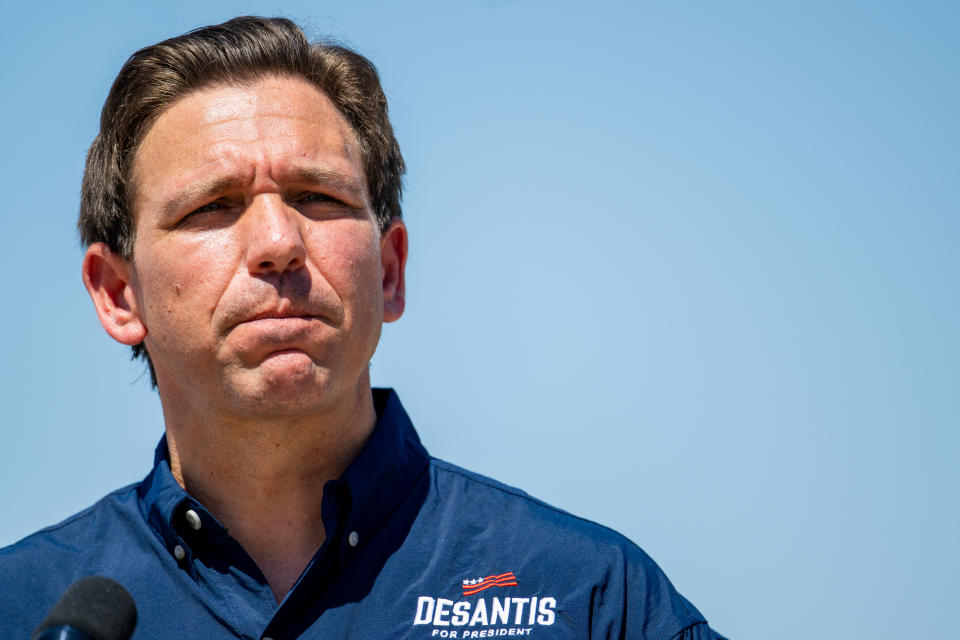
column 236, row 52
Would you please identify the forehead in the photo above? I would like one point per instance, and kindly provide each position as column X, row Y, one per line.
column 271, row 125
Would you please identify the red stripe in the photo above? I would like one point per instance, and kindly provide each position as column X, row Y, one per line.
column 502, row 575
column 484, row 588
column 491, row 579
column 503, row 580
column 508, row 574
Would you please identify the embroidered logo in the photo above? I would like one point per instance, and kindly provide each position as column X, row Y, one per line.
column 486, row 617
column 477, row 585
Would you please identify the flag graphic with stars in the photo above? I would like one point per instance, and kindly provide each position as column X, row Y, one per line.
column 476, row 585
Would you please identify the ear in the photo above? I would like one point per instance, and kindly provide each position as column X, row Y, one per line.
column 393, row 258
column 109, row 281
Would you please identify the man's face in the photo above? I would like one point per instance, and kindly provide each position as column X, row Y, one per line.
column 259, row 271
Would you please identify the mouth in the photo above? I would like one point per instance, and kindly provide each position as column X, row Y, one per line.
column 284, row 317
column 282, row 313
column 275, row 328
column 283, row 324
column 268, row 336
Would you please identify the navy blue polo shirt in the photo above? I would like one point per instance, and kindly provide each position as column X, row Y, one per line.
column 416, row 548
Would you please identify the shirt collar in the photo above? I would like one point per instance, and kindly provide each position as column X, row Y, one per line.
column 377, row 480
column 386, row 469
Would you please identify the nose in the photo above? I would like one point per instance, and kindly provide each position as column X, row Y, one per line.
column 274, row 237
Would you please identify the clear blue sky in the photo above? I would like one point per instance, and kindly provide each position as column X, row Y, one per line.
column 689, row 269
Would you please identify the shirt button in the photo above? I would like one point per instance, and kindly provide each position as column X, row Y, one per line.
column 179, row 553
column 193, row 519
column 353, row 539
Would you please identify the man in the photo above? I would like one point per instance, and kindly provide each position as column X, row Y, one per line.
column 241, row 214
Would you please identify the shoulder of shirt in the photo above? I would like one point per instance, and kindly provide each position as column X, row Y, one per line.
column 525, row 520
column 73, row 532
column 545, row 510
column 35, row 571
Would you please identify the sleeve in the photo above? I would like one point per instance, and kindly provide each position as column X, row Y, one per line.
column 640, row 602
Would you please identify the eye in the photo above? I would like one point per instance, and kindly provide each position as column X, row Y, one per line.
column 210, row 206
column 216, row 213
column 311, row 197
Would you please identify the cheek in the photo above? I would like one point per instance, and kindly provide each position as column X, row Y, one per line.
column 348, row 255
column 186, row 279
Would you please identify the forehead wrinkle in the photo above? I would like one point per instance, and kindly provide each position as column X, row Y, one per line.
column 256, row 116
column 222, row 171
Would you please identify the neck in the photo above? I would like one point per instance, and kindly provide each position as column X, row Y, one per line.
column 263, row 479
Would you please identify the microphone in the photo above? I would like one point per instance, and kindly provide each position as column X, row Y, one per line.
column 93, row 608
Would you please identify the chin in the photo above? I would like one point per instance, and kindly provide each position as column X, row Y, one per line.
column 285, row 384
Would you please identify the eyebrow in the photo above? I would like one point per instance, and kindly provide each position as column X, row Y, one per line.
column 300, row 175
column 328, row 177
column 199, row 191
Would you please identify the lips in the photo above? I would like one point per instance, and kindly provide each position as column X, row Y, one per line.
column 283, row 324
column 265, row 335
column 284, row 328
column 297, row 311
column 283, row 312
column 277, row 326
column 281, row 315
